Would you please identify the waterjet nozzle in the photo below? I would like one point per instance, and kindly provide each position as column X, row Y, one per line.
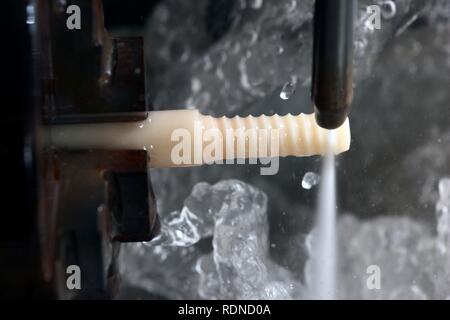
column 332, row 84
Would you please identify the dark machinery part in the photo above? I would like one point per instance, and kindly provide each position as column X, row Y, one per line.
column 70, row 207
column 104, row 198
column 332, row 83
column 86, row 74
column 133, row 14
column 19, row 249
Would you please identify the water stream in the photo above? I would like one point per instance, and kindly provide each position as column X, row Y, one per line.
column 322, row 268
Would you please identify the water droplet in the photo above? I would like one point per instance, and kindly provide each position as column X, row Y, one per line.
column 291, row 5
column 444, row 189
column 360, row 45
column 207, row 64
column 280, row 50
column 236, row 48
column 196, row 85
column 310, row 179
column 30, row 14
column 256, row 4
column 288, row 90
column 250, row 37
column 185, row 55
column 141, row 125
column 388, row 9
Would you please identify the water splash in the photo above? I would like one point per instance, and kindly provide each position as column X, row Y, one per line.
column 239, row 265
column 216, row 247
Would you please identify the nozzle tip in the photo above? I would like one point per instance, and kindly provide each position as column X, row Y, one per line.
column 330, row 119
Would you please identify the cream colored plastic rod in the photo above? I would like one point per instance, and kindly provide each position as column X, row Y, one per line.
column 163, row 132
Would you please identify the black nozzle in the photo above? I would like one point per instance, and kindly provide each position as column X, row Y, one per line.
column 332, row 83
